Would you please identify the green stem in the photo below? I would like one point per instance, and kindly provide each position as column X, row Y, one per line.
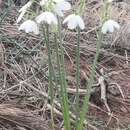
column 84, row 109
column 63, row 86
column 51, row 93
column 49, row 63
column 57, row 54
column 77, row 75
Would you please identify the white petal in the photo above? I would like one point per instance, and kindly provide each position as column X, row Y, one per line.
column 67, row 5
column 50, row 18
column 80, row 22
column 68, row 18
column 54, row 20
column 29, row 26
column 62, row 6
column 40, row 18
column 110, row 28
column 116, row 25
column 72, row 24
column 104, row 29
column 47, row 17
column 74, row 21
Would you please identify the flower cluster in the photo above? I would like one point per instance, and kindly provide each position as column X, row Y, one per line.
column 57, row 9
column 53, row 9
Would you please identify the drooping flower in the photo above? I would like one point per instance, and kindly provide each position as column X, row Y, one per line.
column 29, row 26
column 74, row 21
column 61, row 6
column 23, row 10
column 47, row 17
column 109, row 26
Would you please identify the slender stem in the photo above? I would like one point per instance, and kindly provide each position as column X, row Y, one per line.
column 63, row 91
column 84, row 109
column 57, row 54
column 49, row 63
column 77, row 74
column 50, row 71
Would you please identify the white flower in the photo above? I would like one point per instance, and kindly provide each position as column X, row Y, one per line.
column 42, row 2
column 109, row 26
column 29, row 26
column 47, row 17
column 62, row 6
column 74, row 21
column 23, row 10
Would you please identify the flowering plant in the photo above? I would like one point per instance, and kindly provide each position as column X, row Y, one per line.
column 51, row 16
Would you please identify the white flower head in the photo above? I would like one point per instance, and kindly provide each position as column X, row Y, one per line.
column 29, row 26
column 74, row 21
column 62, row 6
column 42, row 2
column 23, row 10
column 47, row 17
column 109, row 26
